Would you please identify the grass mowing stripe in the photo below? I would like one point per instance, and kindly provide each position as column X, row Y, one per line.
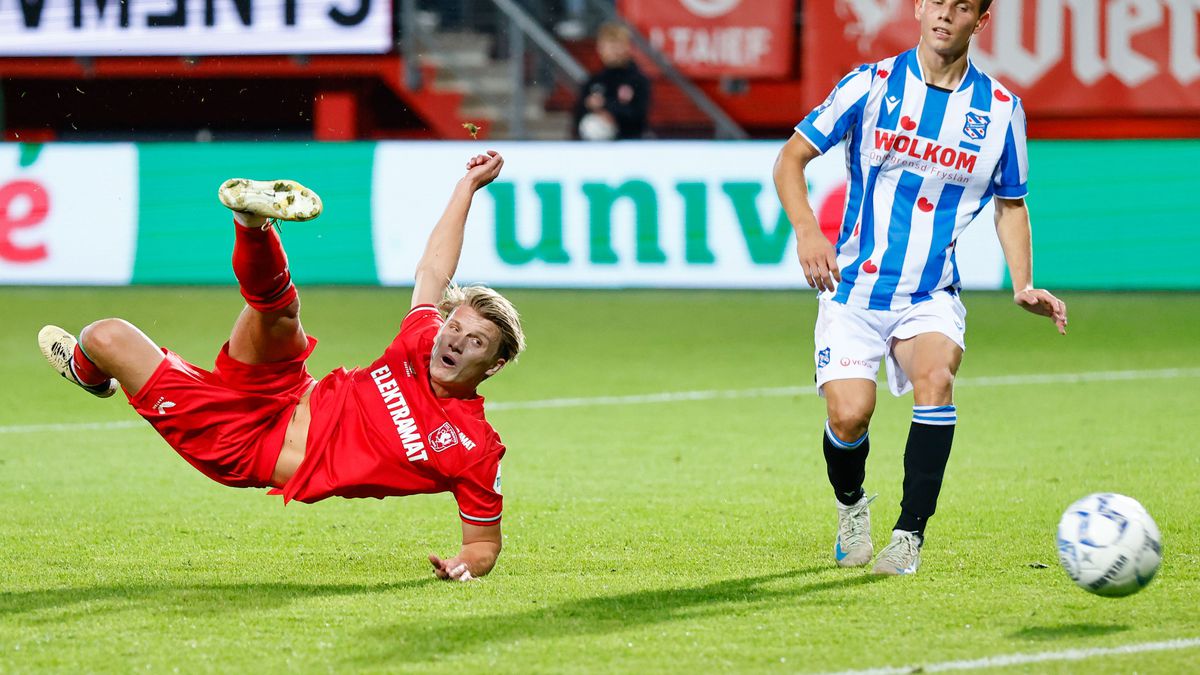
column 712, row 394
column 1040, row 657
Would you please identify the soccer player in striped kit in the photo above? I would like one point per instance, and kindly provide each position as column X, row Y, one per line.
column 930, row 140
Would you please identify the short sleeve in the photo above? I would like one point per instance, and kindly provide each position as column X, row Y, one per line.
column 477, row 492
column 829, row 122
column 1012, row 172
column 418, row 331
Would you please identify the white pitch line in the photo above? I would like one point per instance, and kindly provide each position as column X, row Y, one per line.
column 773, row 392
column 707, row 395
column 72, row 426
column 1023, row 659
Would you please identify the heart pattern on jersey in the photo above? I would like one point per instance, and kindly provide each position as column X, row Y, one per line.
column 869, row 267
column 925, row 205
column 908, row 123
column 1001, row 96
column 882, row 73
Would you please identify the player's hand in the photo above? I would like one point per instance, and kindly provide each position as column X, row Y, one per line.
column 1042, row 302
column 819, row 261
column 450, row 569
column 594, row 102
column 483, row 169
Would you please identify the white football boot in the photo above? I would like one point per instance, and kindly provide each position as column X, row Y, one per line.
column 853, row 548
column 58, row 346
column 273, row 199
column 901, row 556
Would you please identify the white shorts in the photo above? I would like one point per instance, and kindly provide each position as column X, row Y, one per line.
column 851, row 341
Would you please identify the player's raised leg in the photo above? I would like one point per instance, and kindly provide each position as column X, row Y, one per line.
column 109, row 351
column 850, row 404
column 268, row 329
column 931, row 361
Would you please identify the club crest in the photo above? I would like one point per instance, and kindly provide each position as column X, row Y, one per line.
column 443, row 437
column 823, row 358
column 976, row 126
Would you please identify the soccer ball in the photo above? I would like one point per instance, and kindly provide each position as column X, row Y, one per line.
column 1109, row 544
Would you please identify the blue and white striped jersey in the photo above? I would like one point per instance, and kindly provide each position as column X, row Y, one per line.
column 922, row 163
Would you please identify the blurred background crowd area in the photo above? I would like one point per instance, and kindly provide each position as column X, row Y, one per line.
column 335, row 70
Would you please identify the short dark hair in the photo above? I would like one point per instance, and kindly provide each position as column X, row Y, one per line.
column 984, row 5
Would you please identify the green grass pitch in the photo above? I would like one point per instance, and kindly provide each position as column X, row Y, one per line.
column 687, row 535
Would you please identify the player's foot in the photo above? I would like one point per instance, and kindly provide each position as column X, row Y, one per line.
column 278, row 199
column 901, row 556
column 853, row 548
column 58, row 346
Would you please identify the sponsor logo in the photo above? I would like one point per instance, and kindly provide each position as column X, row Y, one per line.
column 891, row 103
column 444, row 437
column 408, row 369
column 496, row 486
column 465, row 440
column 24, row 205
column 162, row 405
column 826, row 103
column 976, row 126
column 823, row 358
column 401, row 414
column 710, row 8
column 925, row 151
column 846, row 362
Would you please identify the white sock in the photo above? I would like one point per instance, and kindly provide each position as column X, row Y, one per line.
column 249, row 219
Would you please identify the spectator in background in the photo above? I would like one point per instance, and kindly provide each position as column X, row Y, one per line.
column 614, row 102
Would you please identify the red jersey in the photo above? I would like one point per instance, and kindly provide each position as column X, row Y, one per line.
column 380, row 431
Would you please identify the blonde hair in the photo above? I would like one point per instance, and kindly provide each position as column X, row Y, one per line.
column 613, row 31
column 493, row 307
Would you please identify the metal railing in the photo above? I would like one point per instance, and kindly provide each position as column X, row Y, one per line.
column 724, row 125
column 523, row 30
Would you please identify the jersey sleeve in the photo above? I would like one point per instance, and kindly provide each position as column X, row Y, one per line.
column 418, row 331
column 1012, row 172
column 829, row 122
column 477, row 492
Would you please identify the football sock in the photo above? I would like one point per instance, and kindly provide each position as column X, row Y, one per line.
column 88, row 373
column 847, row 465
column 925, row 457
column 260, row 266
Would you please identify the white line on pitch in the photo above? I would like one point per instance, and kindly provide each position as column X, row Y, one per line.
column 707, row 395
column 771, row 392
column 1040, row 657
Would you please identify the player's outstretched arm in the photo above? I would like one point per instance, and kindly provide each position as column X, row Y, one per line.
column 816, row 254
column 1016, row 238
column 480, row 548
column 442, row 251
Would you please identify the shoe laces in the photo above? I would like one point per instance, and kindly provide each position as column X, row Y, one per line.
column 272, row 222
column 902, row 550
column 853, row 524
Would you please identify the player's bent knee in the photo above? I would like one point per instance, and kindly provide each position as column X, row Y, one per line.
column 106, row 336
column 940, row 379
column 849, row 422
column 937, row 382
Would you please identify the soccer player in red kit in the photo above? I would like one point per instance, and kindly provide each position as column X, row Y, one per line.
column 411, row 422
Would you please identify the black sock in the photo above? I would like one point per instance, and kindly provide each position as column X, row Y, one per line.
column 925, row 457
column 847, row 465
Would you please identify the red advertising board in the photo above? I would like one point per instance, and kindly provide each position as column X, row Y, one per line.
column 719, row 38
column 1063, row 57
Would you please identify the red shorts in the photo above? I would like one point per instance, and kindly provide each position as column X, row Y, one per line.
column 228, row 423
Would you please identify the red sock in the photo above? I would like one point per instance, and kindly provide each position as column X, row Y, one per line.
column 260, row 266
column 87, row 372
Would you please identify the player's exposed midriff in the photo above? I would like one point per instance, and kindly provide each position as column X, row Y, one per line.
column 294, row 441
